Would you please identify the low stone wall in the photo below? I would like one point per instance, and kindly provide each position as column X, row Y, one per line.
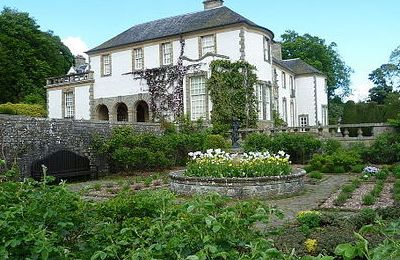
column 261, row 187
column 27, row 139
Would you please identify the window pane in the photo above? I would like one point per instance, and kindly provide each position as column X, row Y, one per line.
column 198, row 97
column 208, row 44
column 167, row 53
column 138, row 56
column 69, row 105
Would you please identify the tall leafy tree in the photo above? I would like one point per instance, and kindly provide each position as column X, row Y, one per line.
column 323, row 56
column 27, row 57
column 386, row 78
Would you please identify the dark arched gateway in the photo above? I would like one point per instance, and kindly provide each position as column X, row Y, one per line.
column 122, row 112
column 102, row 113
column 62, row 164
column 142, row 112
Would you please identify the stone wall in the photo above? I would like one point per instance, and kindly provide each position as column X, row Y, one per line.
column 27, row 139
column 261, row 187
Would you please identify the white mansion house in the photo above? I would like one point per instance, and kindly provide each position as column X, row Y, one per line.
column 108, row 90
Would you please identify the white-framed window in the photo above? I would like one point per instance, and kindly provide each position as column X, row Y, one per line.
column 166, row 53
column 303, row 122
column 284, row 110
column 208, row 44
column 69, row 105
column 260, row 101
column 292, row 114
column 106, row 64
column 267, row 49
column 324, row 112
column 283, row 79
column 198, row 99
column 138, row 59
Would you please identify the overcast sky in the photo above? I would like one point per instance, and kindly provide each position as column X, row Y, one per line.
column 366, row 31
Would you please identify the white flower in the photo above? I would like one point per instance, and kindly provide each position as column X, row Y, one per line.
column 210, row 151
column 281, row 153
column 218, row 151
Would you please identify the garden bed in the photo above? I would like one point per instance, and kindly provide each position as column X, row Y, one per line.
column 256, row 187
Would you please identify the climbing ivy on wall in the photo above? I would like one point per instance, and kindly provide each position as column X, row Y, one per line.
column 166, row 87
column 231, row 89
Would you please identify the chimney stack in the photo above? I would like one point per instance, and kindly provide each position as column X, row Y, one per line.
column 79, row 61
column 210, row 4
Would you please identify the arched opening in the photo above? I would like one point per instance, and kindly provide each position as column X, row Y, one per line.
column 142, row 112
column 122, row 112
column 102, row 113
column 62, row 164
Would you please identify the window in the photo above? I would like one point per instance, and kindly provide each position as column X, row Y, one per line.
column 207, row 44
column 166, row 53
column 292, row 114
column 292, row 90
column 267, row 49
column 69, row 105
column 324, row 115
column 260, row 101
column 198, row 97
column 283, row 79
column 106, row 64
column 138, row 59
column 284, row 110
column 303, row 122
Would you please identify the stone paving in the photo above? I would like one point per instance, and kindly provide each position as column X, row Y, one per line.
column 314, row 196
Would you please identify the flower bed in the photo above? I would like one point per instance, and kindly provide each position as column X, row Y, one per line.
column 241, row 176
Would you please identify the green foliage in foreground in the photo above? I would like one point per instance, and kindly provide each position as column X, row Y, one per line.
column 23, row 110
column 49, row 222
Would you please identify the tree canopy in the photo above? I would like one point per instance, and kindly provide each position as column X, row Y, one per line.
column 325, row 57
column 386, row 78
column 27, row 57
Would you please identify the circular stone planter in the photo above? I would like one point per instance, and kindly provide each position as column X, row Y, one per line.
column 259, row 187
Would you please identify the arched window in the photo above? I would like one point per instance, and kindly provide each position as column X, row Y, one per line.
column 102, row 113
column 142, row 112
column 122, row 112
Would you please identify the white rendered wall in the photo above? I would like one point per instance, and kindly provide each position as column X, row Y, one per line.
column 254, row 51
column 322, row 96
column 305, row 98
column 285, row 93
column 54, row 103
column 82, row 102
column 228, row 44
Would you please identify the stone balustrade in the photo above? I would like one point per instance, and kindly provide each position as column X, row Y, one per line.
column 345, row 132
column 70, row 79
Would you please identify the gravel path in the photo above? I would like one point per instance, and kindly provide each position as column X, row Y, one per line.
column 314, row 196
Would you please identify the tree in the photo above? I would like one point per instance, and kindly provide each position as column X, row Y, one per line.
column 27, row 57
column 231, row 88
column 386, row 78
column 325, row 57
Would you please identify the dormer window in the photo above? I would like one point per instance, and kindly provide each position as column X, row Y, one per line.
column 267, row 49
column 207, row 44
column 138, row 59
column 166, row 53
column 106, row 65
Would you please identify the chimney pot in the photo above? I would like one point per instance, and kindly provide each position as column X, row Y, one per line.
column 210, row 4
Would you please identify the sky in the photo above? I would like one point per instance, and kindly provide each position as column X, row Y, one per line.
column 366, row 31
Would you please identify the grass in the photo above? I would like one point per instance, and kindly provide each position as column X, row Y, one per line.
column 370, row 198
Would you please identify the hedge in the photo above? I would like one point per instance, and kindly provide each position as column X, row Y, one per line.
column 23, row 110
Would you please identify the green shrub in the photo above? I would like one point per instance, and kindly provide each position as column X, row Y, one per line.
column 339, row 162
column 311, row 219
column 127, row 150
column 385, row 149
column 357, row 168
column 396, row 192
column 346, row 192
column 315, row 175
column 23, row 110
column 368, row 200
column 383, row 174
column 331, row 146
column 396, row 171
column 366, row 216
column 215, row 142
column 300, row 147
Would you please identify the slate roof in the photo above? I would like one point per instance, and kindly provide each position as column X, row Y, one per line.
column 177, row 25
column 298, row 67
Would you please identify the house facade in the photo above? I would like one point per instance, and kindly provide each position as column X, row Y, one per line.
column 109, row 89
